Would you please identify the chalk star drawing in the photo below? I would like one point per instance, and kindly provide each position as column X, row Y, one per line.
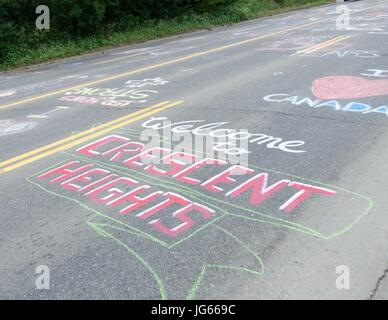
column 180, row 270
column 146, row 82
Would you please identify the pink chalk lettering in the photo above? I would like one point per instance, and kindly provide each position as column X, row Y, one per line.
column 172, row 198
column 118, row 152
column 187, row 222
column 260, row 190
column 93, row 185
column 172, row 159
column 84, row 177
column 137, row 202
column 225, row 177
column 145, row 156
column 64, row 172
column 90, row 149
column 305, row 192
column 182, row 175
column 94, row 195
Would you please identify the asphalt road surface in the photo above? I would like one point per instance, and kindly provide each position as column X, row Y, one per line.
column 271, row 182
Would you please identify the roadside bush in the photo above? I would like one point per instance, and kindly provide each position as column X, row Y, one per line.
column 76, row 21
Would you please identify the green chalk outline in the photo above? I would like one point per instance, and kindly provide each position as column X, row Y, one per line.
column 135, row 230
column 284, row 223
column 344, row 230
column 298, row 226
column 194, row 194
column 99, row 228
column 201, row 276
column 278, row 221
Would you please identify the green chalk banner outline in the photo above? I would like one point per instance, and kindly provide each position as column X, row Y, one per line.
column 117, row 225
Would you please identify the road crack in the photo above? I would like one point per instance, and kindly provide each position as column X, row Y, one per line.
column 376, row 288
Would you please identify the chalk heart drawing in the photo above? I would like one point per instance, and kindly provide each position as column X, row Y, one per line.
column 10, row 126
column 348, row 87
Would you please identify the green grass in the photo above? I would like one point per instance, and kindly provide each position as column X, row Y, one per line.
column 239, row 11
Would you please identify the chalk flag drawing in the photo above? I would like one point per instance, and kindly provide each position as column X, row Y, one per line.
column 212, row 234
column 7, row 93
column 348, row 87
column 11, row 126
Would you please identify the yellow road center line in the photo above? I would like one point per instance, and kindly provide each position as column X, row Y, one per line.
column 319, row 45
column 86, row 138
column 327, row 45
column 80, row 134
column 169, row 62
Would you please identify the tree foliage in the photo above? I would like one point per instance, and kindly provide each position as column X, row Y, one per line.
column 74, row 19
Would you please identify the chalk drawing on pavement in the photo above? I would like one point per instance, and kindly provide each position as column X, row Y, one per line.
column 132, row 92
column 145, row 82
column 337, row 105
column 7, row 93
column 132, row 232
column 11, row 126
column 292, row 43
column 348, row 87
column 46, row 114
column 365, row 54
column 378, row 73
column 331, row 91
